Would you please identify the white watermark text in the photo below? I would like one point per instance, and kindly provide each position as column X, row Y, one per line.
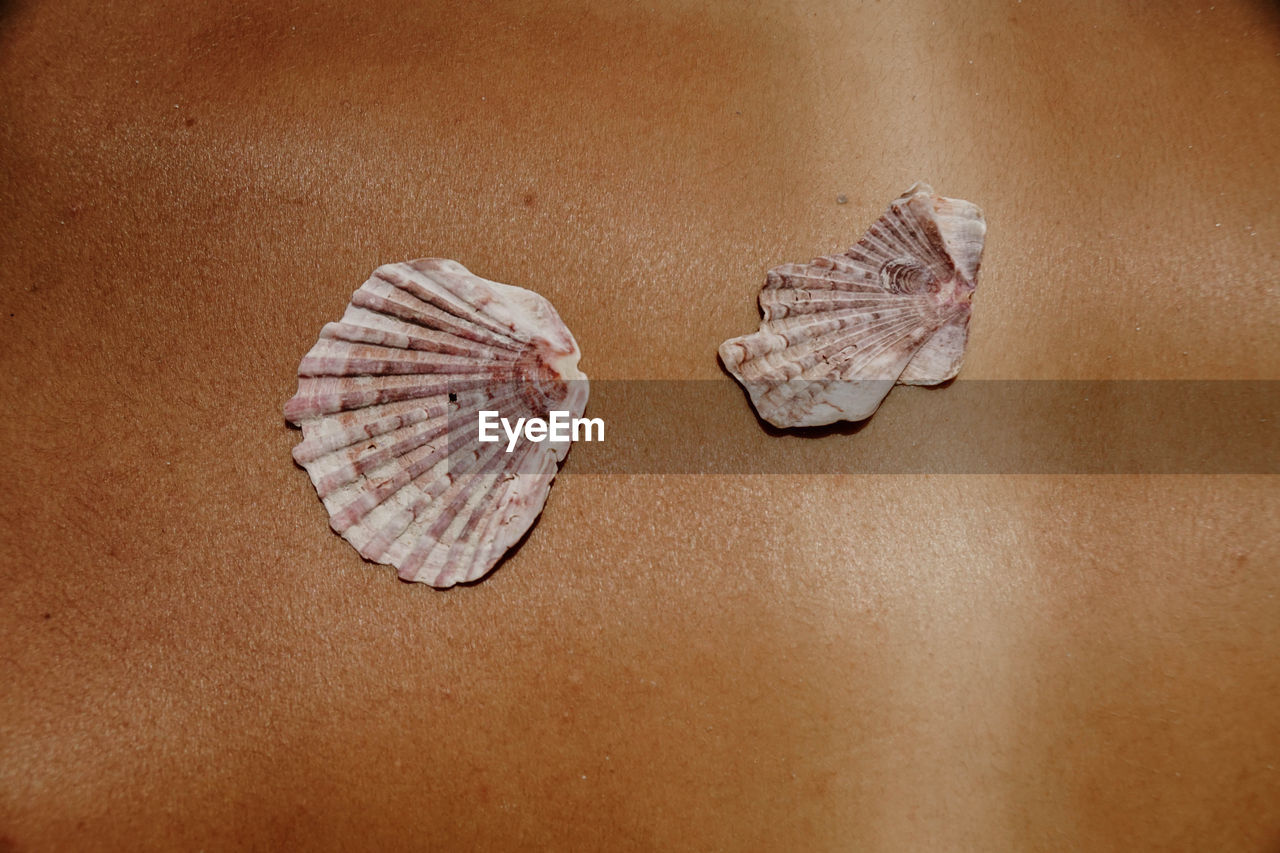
column 558, row 426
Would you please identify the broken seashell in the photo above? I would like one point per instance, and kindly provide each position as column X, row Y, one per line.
column 840, row 331
column 388, row 401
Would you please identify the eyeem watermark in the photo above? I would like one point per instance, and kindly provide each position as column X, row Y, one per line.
column 559, row 426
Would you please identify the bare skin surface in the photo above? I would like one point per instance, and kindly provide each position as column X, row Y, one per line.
column 192, row 660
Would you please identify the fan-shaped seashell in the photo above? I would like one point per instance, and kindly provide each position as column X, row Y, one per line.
column 839, row 331
column 388, row 401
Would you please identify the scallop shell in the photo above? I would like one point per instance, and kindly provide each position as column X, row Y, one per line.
column 388, row 401
column 840, row 331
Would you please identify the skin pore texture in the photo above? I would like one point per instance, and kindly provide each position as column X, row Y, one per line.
column 192, row 659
